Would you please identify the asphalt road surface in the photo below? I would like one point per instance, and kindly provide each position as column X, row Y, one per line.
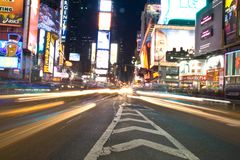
column 117, row 127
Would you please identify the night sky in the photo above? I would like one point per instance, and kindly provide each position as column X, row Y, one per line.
column 128, row 21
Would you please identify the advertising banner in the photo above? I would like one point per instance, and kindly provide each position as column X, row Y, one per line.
column 11, row 13
column 33, row 26
column 103, row 40
column 230, row 26
column 49, row 19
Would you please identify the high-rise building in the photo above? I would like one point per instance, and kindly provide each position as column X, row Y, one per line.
column 82, row 26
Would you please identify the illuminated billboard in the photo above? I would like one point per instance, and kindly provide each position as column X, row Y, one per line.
column 51, row 56
column 101, row 71
column 102, row 59
column 47, row 53
column 10, row 54
column 9, row 62
column 105, row 5
column 10, row 48
column 101, row 79
column 11, row 13
column 64, row 19
column 33, row 26
column 175, row 37
column 103, row 40
column 93, row 55
column 104, row 21
column 49, row 19
column 57, row 53
column 230, row 20
column 166, row 37
column 114, row 53
column 41, row 42
column 74, row 57
column 180, row 9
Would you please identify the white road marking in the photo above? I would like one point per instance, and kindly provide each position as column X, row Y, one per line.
column 141, row 142
column 132, row 120
column 96, row 151
column 135, row 128
column 130, row 114
column 99, row 150
column 171, row 139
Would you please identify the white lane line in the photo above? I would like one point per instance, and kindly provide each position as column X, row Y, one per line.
column 130, row 114
column 141, row 142
column 96, row 151
column 186, row 152
column 132, row 120
column 135, row 128
column 9, row 137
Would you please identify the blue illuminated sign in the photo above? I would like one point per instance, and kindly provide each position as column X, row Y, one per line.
column 64, row 19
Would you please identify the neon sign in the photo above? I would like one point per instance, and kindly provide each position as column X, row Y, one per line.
column 206, row 19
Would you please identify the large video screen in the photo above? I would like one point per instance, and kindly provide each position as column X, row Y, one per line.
column 180, row 9
column 74, row 57
column 103, row 40
column 104, row 21
column 11, row 13
column 49, row 19
column 105, row 5
column 102, row 59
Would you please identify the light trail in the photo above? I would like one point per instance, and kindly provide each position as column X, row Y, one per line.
column 181, row 97
column 31, row 109
column 14, row 135
column 194, row 110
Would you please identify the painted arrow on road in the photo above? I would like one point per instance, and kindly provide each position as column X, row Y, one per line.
column 99, row 149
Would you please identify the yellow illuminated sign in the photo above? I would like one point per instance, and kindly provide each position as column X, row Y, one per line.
column 47, row 53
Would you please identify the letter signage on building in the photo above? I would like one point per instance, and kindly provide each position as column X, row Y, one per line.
column 64, row 19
